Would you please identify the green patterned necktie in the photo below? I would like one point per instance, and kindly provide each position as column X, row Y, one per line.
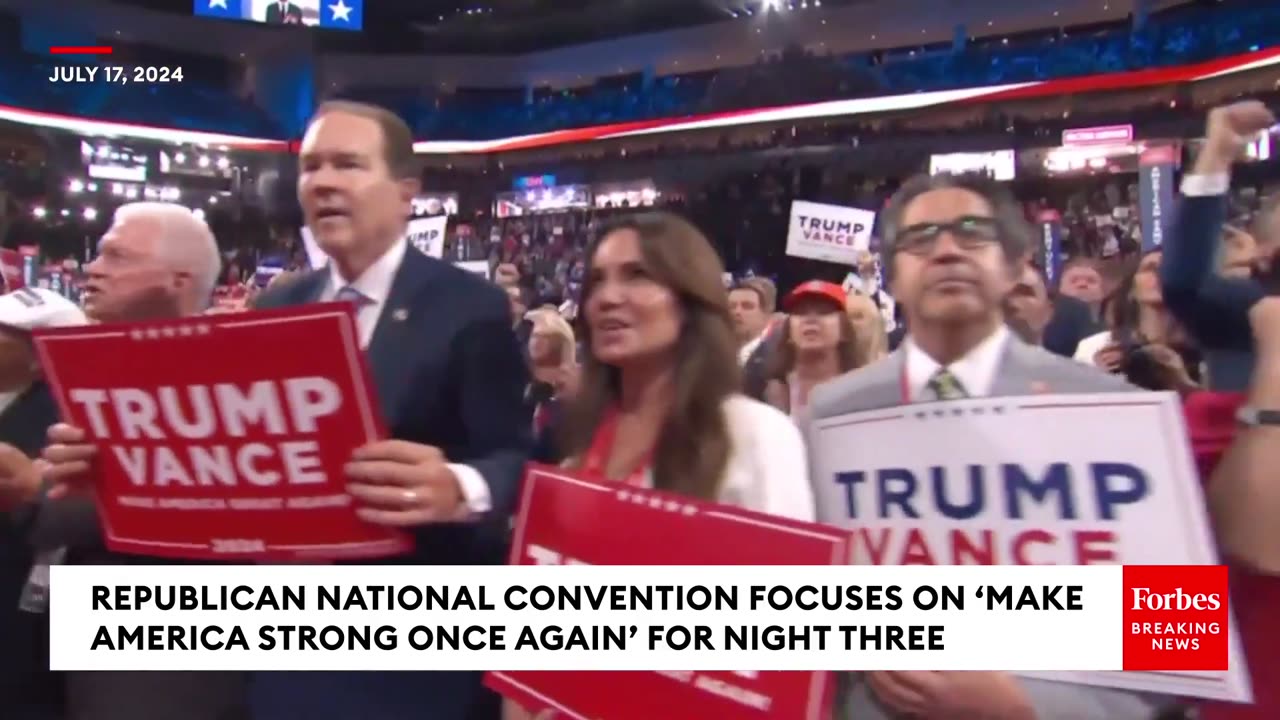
column 946, row 386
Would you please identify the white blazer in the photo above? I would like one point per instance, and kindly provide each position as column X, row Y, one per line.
column 768, row 468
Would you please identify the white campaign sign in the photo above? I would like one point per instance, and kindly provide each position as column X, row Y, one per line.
column 479, row 267
column 427, row 234
column 1045, row 479
column 833, row 233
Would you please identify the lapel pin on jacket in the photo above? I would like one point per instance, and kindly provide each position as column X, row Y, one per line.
column 400, row 314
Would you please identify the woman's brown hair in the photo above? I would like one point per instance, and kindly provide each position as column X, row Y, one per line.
column 693, row 445
column 850, row 354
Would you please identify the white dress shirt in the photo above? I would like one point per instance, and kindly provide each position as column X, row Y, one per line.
column 744, row 353
column 1206, row 185
column 976, row 371
column 374, row 284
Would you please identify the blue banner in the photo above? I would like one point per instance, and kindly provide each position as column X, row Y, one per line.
column 1156, row 168
column 1049, row 251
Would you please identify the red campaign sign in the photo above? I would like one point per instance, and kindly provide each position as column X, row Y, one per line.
column 11, row 267
column 566, row 518
column 224, row 436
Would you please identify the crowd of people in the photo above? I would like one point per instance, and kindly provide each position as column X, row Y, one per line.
column 612, row 342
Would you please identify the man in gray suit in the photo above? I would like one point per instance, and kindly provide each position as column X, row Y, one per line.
column 954, row 247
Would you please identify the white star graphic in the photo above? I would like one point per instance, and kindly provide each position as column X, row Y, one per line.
column 341, row 11
column 218, row 3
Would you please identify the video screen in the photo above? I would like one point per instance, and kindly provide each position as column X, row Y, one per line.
column 105, row 161
column 997, row 164
column 325, row 14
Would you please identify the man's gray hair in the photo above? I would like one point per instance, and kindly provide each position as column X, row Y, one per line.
column 1012, row 229
column 186, row 243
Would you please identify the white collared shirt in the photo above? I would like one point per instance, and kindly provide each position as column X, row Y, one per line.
column 375, row 285
column 744, row 353
column 976, row 371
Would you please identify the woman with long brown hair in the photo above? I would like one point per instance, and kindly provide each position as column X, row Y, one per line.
column 819, row 344
column 658, row 403
column 1146, row 343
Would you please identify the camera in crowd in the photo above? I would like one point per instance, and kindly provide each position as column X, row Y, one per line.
column 1152, row 366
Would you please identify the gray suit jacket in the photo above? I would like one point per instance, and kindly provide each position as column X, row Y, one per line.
column 1023, row 370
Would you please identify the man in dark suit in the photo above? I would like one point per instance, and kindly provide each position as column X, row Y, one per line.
column 283, row 13
column 450, row 379
column 1214, row 308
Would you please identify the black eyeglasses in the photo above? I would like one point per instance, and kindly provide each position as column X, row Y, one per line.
column 971, row 232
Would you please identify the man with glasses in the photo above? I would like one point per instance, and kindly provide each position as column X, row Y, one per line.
column 954, row 248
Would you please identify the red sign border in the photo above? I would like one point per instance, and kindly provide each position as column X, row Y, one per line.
column 341, row 313
column 822, row 684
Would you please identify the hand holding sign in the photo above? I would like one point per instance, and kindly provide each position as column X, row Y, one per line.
column 19, row 477
column 952, row 694
column 69, row 456
column 191, row 453
column 403, row 484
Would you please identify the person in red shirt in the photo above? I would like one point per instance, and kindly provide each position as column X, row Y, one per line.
column 1238, row 464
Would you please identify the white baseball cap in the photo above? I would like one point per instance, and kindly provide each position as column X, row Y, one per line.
column 30, row 308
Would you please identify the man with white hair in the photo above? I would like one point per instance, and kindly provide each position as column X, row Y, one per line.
column 156, row 261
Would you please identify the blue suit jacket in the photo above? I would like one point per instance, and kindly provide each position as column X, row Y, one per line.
column 1213, row 308
column 448, row 373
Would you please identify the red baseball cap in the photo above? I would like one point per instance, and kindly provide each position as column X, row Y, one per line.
column 820, row 289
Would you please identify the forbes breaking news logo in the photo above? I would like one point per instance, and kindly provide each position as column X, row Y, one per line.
column 1175, row 617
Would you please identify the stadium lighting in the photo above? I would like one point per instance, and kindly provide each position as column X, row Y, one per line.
column 39, row 212
column 92, row 187
column 768, row 5
column 223, row 163
column 65, row 212
column 90, row 213
column 75, row 186
column 179, row 158
column 204, row 161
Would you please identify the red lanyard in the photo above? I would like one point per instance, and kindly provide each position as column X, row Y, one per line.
column 597, row 455
column 904, row 384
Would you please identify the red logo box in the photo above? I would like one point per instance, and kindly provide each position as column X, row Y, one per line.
column 1175, row 617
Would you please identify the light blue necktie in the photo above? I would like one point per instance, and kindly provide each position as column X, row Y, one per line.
column 351, row 295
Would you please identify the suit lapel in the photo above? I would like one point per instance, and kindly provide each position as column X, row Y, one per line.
column 389, row 353
column 1016, row 374
column 311, row 287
